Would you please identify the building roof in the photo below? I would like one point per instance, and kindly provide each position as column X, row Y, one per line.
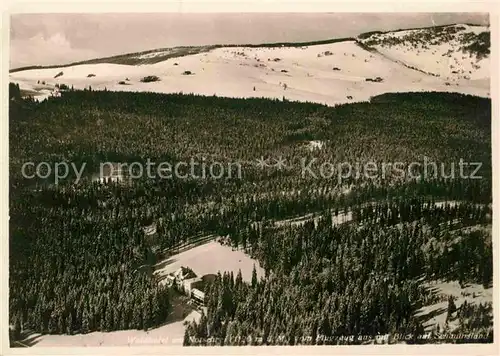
column 184, row 273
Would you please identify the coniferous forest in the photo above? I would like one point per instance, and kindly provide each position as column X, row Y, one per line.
column 81, row 262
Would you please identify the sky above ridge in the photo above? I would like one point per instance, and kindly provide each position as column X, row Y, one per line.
column 43, row 39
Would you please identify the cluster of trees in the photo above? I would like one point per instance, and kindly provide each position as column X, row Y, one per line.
column 75, row 267
column 477, row 44
column 475, row 319
column 103, row 126
column 150, row 78
column 81, row 261
column 63, row 86
column 14, row 91
column 361, row 278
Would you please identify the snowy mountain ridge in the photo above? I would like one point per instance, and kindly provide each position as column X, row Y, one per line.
column 451, row 58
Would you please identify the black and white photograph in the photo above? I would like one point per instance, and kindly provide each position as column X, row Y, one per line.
column 250, row 179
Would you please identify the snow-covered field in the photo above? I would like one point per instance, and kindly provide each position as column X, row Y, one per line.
column 211, row 258
column 168, row 335
column 329, row 74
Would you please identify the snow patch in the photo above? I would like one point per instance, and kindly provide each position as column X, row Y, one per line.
column 211, row 258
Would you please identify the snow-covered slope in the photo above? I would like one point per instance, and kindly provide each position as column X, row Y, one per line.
column 451, row 52
column 329, row 73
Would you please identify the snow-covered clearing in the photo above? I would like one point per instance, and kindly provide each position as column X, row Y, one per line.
column 167, row 335
column 341, row 218
column 472, row 293
column 211, row 258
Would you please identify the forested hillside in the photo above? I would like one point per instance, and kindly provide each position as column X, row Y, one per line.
column 79, row 257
